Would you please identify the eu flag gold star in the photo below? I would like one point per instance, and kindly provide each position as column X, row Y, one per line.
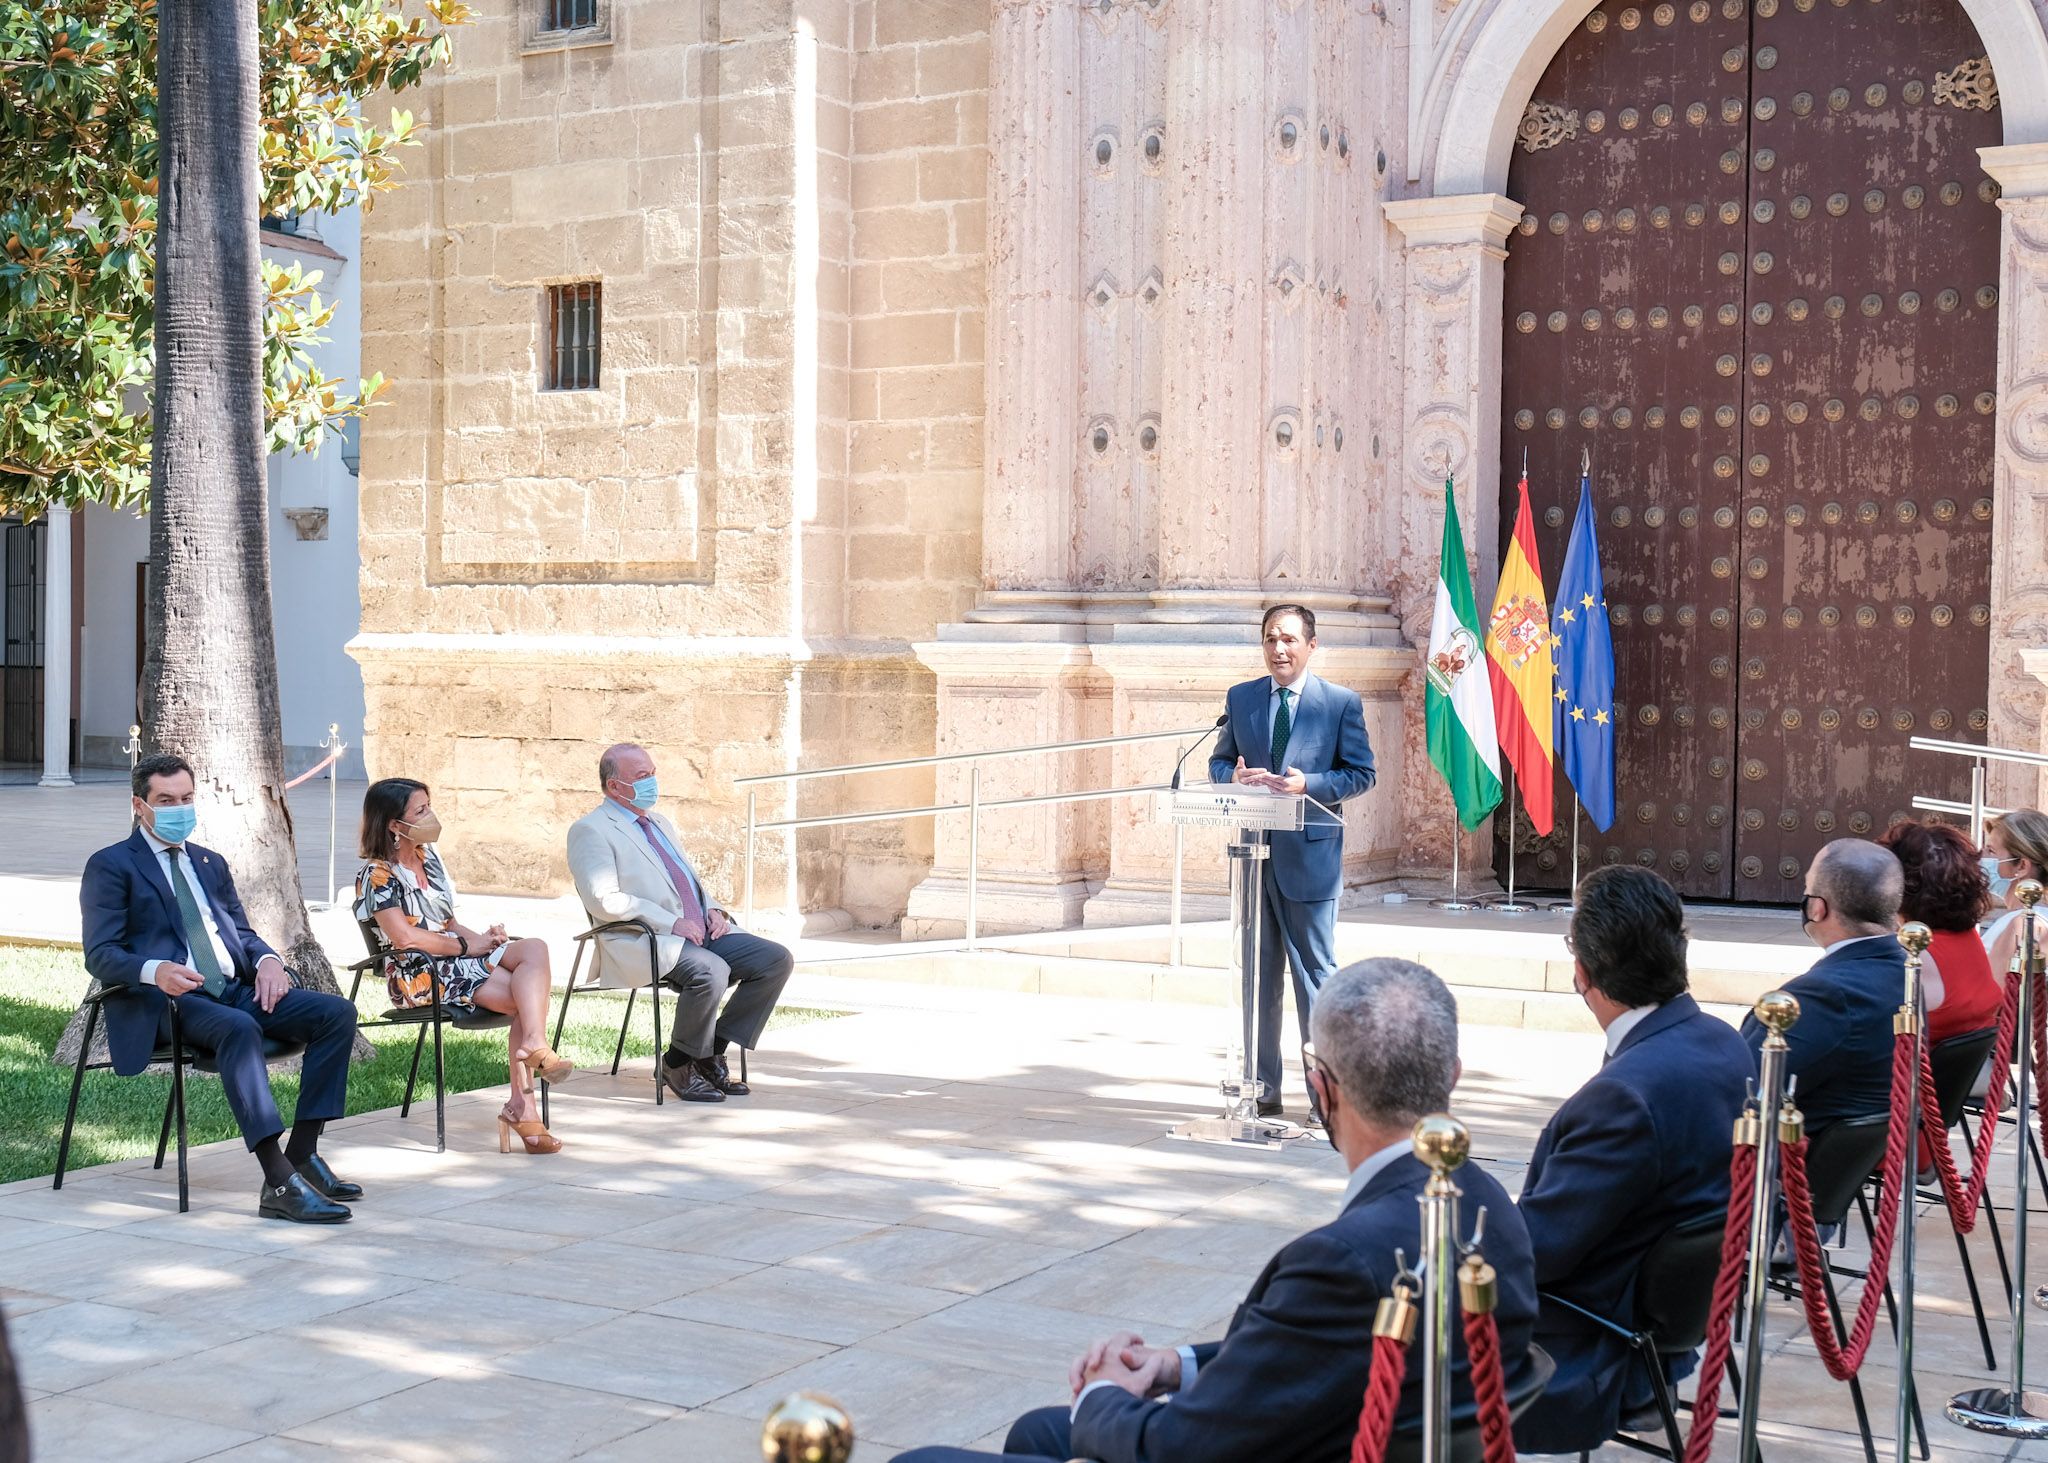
column 1578, row 713
column 1586, row 600
column 1568, row 616
column 1555, row 641
column 1600, row 717
column 1563, row 695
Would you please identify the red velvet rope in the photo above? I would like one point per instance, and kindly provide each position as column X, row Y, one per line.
column 1382, row 1394
column 1706, row 1407
column 1963, row 1200
column 2040, row 1061
column 1489, row 1386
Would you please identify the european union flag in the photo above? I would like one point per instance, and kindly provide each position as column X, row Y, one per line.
column 1584, row 649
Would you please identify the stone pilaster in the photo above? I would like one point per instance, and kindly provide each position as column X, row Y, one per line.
column 1456, row 250
column 2019, row 559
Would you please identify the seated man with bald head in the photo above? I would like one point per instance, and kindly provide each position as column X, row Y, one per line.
column 629, row 864
column 1842, row 1042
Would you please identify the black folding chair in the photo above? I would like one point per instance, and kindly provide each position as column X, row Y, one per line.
column 1840, row 1159
column 1674, row 1303
column 1404, row 1445
column 1956, row 1063
column 179, row 1056
column 585, row 944
column 436, row 1014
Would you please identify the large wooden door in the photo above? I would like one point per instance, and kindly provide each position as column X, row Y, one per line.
column 21, row 643
column 1757, row 279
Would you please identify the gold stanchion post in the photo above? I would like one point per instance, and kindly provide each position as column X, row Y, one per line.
column 1442, row 1142
column 807, row 1427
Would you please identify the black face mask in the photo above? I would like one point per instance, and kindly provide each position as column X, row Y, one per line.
column 1807, row 901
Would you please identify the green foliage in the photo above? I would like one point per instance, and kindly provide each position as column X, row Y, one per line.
column 78, row 180
column 119, row 1117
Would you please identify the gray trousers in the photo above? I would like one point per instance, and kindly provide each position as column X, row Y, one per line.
column 753, row 969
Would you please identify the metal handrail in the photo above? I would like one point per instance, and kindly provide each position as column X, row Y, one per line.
column 1980, row 756
column 973, row 807
column 852, row 767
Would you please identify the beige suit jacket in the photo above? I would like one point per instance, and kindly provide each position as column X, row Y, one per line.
column 619, row 876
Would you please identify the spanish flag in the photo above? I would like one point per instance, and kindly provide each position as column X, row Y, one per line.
column 1518, row 663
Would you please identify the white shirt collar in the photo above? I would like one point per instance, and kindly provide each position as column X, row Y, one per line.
column 1853, row 940
column 157, row 843
column 1299, row 688
column 1371, row 1167
column 1623, row 1024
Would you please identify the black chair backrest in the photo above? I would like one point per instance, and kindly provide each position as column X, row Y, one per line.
column 1838, row 1160
column 1675, row 1283
column 1956, row 1063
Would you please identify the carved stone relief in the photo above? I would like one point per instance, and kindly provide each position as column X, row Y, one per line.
column 1546, row 124
column 1970, row 87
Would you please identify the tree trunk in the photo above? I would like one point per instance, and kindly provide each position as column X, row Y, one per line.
column 209, row 678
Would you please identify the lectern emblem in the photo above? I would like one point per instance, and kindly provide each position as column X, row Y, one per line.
column 1460, row 651
column 1520, row 628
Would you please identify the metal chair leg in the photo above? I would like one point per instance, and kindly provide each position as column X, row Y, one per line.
column 620, row 1050
column 1827, row 1281
column 412, row 1074
column 163, row 1136
column 743, row 1064
column 178, row 1099
column 1976, row 1300
column 92, row 1016
column 440, row 1088
column 654, row 995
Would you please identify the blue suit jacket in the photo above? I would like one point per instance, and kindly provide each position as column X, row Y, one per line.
column 1285, row 1383
column 131, row 916
column 1842, row 1042
column 1642, row 1147
column 1328, row 743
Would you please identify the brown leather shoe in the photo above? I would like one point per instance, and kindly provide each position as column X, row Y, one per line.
column 688, row 1083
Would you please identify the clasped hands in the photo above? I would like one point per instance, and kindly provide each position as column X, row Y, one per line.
column 1293, row 780
column 1125, row 1359
column 716, row 926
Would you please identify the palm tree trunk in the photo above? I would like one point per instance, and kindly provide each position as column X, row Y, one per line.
column 209, row 678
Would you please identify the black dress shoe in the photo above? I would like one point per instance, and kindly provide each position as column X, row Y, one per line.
column 687, row 1083
column 1271, row 1110
column 715, row 1071
column 326, row 1183
column 298, row 1201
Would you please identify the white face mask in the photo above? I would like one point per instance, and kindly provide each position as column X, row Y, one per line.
column 1991, row 863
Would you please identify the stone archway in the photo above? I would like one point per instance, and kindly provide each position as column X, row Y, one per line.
column 1455, row 233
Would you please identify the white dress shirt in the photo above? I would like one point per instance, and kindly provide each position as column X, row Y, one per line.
column 206, row 914
column 1623, row 1024
column 1368, row 1169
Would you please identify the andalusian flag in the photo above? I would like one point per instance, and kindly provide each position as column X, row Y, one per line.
column 1462, row 742
column 1518, row 663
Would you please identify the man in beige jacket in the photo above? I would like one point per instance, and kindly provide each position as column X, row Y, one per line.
column 629, row 865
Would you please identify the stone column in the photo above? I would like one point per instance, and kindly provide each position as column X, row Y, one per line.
column 1034, row 311
column 2019, row 558
column 1456, row 250
column 1214, row 429
column 57, row 626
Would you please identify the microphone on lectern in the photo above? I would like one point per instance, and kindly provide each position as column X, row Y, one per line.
column 1175, row 784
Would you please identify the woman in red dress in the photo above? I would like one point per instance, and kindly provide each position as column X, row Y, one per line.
column 1946, row 891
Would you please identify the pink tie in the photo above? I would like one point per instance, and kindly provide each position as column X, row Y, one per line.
column 693, row 912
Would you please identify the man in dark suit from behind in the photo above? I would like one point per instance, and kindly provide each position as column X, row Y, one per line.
column 1285, row 1383
column 162, row 920
column 1842, row 1043
column 1642, row 1147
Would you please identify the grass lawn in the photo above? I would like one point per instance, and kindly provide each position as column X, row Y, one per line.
column 119, row 1117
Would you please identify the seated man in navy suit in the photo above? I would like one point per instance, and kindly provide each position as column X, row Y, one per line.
column 1842, row 1043
column 1285, row 1383
column 1642, row 1147
column 163, row 920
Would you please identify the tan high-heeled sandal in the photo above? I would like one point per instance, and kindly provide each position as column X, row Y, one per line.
column 545, row 1063
column 536, row 1138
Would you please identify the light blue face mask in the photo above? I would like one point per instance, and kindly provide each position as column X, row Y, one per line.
column 174, row 824
column 1999, row 884
column 646, row 790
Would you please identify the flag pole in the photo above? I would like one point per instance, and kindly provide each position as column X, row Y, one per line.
column 1565, row 905
column 1509, row 905
column 1455, row 904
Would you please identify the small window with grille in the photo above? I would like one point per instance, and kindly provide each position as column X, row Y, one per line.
column 569, row 14
column 555, row 25
column 575, row 336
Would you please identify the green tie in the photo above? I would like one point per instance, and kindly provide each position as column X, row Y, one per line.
column 203, row 959
column 1283, row 727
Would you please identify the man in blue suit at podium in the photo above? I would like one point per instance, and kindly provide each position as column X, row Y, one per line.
column 1292, row 732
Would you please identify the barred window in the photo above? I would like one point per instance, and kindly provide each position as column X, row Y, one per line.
column 575, row 331
column 569, row 14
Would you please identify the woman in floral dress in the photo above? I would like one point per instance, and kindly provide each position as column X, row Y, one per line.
column 406, row 893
